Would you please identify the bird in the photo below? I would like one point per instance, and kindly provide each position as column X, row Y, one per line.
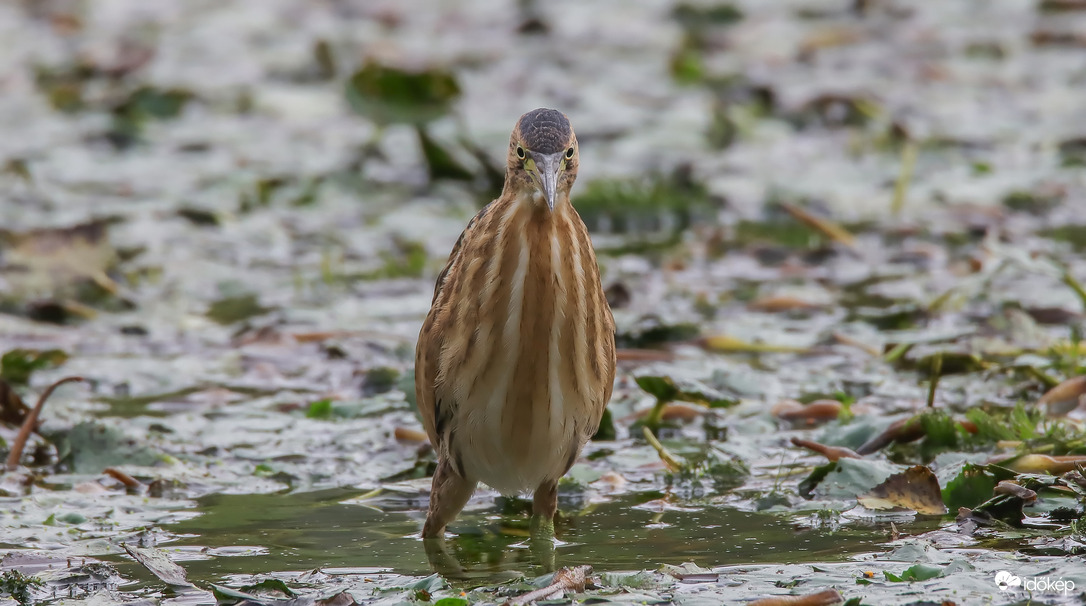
column 515, row 361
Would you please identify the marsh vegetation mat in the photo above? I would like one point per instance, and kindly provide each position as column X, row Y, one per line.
column 844, row 242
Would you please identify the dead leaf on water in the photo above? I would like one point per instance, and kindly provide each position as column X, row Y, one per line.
column 832, row 453
column 915, row 488
column 12, row 408
column 812, row 413
column 160, row 565
column 782, row 303
column 1064, row 397
column 731, row 344
column 41, row 262
column 1039, row 463
column 1011, row 488
column 821, row 598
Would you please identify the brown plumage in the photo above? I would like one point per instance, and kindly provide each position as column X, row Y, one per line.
column 516, row 359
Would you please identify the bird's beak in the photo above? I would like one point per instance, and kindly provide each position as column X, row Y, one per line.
column 548, row 166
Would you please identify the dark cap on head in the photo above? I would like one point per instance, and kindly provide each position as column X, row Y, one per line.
column 546, row 131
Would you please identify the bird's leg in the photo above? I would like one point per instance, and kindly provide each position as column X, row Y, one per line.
column 545, row 501
column 544, row 506
column 449, row 494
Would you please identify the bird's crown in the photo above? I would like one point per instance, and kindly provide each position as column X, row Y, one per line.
column 546, row 131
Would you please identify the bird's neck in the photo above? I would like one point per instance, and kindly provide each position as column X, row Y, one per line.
column 536, row 204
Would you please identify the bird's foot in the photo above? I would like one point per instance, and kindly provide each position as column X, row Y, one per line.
column 542, row 542
column 441, row 560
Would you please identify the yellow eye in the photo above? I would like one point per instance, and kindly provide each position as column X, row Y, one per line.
column 520, row 152
column 569, row 153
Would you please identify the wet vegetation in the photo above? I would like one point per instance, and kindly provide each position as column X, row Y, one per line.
column 843, row 242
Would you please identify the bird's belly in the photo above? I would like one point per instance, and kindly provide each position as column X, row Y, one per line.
column 517, row 427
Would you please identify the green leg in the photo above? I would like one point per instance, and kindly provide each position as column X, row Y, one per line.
column 544, row 506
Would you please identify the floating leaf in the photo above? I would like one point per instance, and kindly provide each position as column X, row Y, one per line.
column 916, row 488
column 659, row 205
column 1003, row 508
column 606, row 430
column 321, row 409
column 1040, row 463
column 818, row 411
column 971, row 487
column 440, row 163
column 826, row 597
column 388, row 95
column 160, row 565
column 90, row 447
column 13, row 410
column 920, row 572
column 651, row 331
column 1064, row 397
column 725, row 343
column 56, row 262
column 17, row 365
column 236, row 308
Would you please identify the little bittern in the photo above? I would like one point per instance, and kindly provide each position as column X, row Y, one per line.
column 516, row 359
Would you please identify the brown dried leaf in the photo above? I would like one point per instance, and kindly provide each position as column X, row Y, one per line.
column 813, row 413
column 1064, row 397
column 405, row 434
column 12, row 408
column 781, row 303
column 916, row 488
column 1039, row 463
column 1009, row 487
column 832, row 453
column 825, row 597
column 901, row 431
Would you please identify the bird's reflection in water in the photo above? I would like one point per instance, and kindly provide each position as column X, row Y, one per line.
column 480, row 552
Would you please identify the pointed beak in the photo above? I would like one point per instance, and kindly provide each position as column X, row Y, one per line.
column 548, row 167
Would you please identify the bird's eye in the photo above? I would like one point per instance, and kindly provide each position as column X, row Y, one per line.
column 520, row 152
column 569, row 153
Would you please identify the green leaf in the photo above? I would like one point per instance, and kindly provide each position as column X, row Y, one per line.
column 451, row 602
column 236, row 308
column 662, row 388
column 920, row 572
column 388, row 95
column 969, row 488
column 440, row 163
column 321, row 409
column 18, row 586
column 90, row 447
column 606, row 430
column 17, row 365
column 988, row 427
column 814, row 479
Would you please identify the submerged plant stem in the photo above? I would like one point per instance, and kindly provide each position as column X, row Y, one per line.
column 901, row 187
column 31, row 421
column 936, row 373
column 672, row 462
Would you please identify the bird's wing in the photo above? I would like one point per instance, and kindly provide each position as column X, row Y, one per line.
column 435, row 410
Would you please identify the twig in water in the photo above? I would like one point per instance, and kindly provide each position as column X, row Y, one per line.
column 901, row 187
column 31, row 421
column 564, row 580
column 828, row 228
column 123, row 478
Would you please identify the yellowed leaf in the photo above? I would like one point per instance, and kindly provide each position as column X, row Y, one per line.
column 916, row 488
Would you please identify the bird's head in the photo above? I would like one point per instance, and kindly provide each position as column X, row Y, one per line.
column 543, row 157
